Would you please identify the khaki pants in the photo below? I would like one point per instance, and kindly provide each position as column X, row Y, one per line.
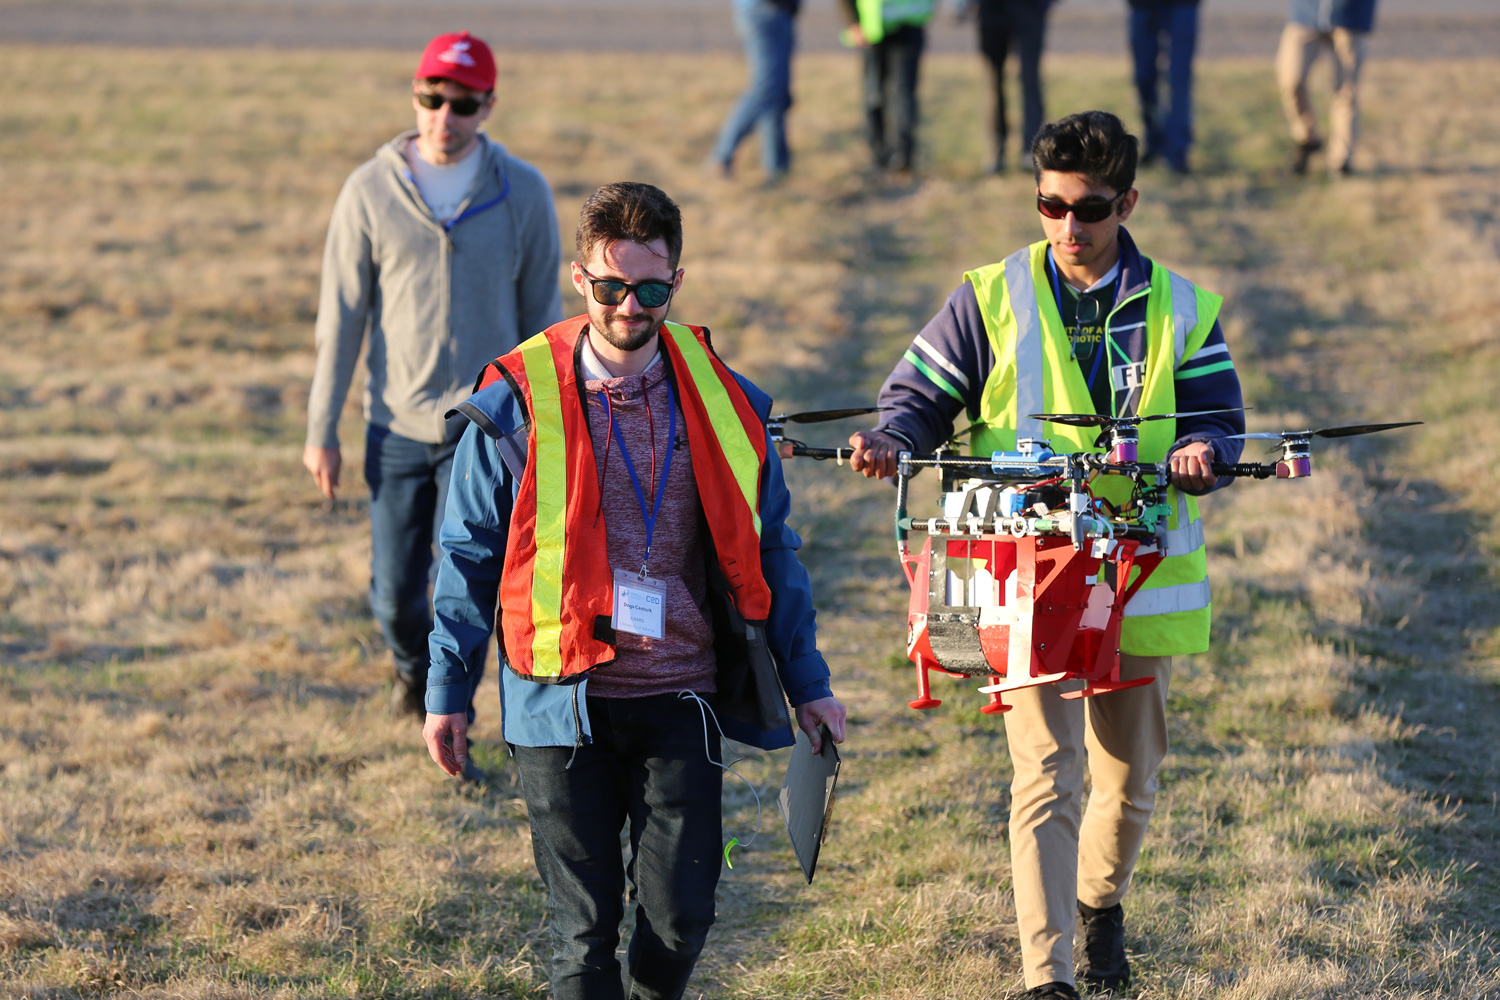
column 1059, row 855
column 1300, row 48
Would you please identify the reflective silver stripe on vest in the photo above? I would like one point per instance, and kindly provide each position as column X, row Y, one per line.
column 1184, row 539
column 1184, row 316
column 1169, row 600
column 1030, row 393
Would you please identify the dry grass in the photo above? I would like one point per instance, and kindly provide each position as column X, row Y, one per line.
column 203, row 794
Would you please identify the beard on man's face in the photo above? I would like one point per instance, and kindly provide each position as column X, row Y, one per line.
column 627, row 337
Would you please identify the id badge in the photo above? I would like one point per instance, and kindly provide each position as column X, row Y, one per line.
column 640, row 605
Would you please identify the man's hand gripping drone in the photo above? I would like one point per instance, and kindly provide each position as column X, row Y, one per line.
column 1025, row 577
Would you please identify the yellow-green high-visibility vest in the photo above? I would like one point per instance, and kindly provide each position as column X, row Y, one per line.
column 1033, row 373
column 877, row 18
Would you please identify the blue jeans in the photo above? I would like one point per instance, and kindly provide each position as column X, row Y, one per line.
column 648, row 765
column 1169, row 133
column 768, row 34
column 408, row 491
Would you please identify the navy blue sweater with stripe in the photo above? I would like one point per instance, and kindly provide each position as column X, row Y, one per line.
column 944, row 371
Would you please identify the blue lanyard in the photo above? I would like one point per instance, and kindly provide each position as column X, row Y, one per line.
column 1057, row 297
column 666, row 466
column 474, row 210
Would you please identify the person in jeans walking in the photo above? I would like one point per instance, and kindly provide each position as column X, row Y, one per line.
column 1342, row 27
column 768, row 30
column 1169, row 129
column 618, row 512
column 442, row 250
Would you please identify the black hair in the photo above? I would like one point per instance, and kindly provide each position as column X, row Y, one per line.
column 1092, row 143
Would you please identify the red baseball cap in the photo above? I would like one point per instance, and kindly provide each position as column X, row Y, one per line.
column 461, row 58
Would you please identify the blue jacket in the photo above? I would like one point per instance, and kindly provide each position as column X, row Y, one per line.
column 922, row 412
column 1353, row 15
column 473, row 537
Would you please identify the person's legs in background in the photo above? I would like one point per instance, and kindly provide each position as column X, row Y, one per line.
column 876, row 68
column 408, row 483
column 768, row 34
column 994, row 44
column 1145, row 50
column 1299, row 48
column 1348, row 58
column 403, row 506
column 1182, row 37
column 1030, row 36
column 906, row 44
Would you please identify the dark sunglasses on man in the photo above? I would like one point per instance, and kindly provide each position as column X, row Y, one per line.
column 651, row 294
column 1093, row 209
column 462, row 106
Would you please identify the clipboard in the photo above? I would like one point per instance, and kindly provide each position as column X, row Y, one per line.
column 806, row 799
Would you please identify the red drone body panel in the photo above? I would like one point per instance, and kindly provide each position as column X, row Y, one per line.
column 1023, row 611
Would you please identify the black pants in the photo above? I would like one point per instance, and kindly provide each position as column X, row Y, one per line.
column 648, row 766
column 1019, row 26
column 891, row 97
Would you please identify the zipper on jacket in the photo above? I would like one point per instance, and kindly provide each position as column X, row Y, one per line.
column 577, row 730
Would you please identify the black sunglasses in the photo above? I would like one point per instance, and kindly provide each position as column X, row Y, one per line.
column 1092, row 210
column 1089, row 309
column 651, row 294
column 462, row 106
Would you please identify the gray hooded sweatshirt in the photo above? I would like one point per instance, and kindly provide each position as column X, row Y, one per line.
column 438, row 302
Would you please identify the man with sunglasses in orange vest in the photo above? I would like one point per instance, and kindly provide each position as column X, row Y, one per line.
column 443, row 250
column 1082, row 322
column 618, row 515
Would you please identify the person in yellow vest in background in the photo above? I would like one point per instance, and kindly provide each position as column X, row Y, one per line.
column 892, row 34
column 617, row 512
column 1082, row 322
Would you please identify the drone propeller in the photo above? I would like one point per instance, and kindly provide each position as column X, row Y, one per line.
column 819, row 416
column 1098, row 420
column 1349, row 430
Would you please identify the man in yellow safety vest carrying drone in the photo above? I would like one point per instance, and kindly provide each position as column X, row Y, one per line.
column 1082, row 322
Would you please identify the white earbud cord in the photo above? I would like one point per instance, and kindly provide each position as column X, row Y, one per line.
column 706, row 713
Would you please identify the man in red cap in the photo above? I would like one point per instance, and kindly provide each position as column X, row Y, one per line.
column 444, row 250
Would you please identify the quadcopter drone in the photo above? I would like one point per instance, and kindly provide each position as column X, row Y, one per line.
column 1025, row 576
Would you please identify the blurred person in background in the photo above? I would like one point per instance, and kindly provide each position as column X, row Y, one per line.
column 1007, row 26
column 892, row 34
column 1340, row 27
column 619, row 515
column 1082, row 322
column 767, row 28
column 1169, row 129
column 443, row 250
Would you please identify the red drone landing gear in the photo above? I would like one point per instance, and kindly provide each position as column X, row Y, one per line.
column 1022, row 612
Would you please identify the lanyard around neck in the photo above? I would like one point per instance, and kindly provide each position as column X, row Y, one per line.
column 666, row 465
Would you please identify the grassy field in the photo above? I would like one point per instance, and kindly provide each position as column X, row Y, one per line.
column 203, row 793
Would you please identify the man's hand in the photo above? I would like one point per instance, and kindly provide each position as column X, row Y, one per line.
column 874, row 454
column 447, row 738
column 324, row 464
column 1192, row 467
column 823, row 712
